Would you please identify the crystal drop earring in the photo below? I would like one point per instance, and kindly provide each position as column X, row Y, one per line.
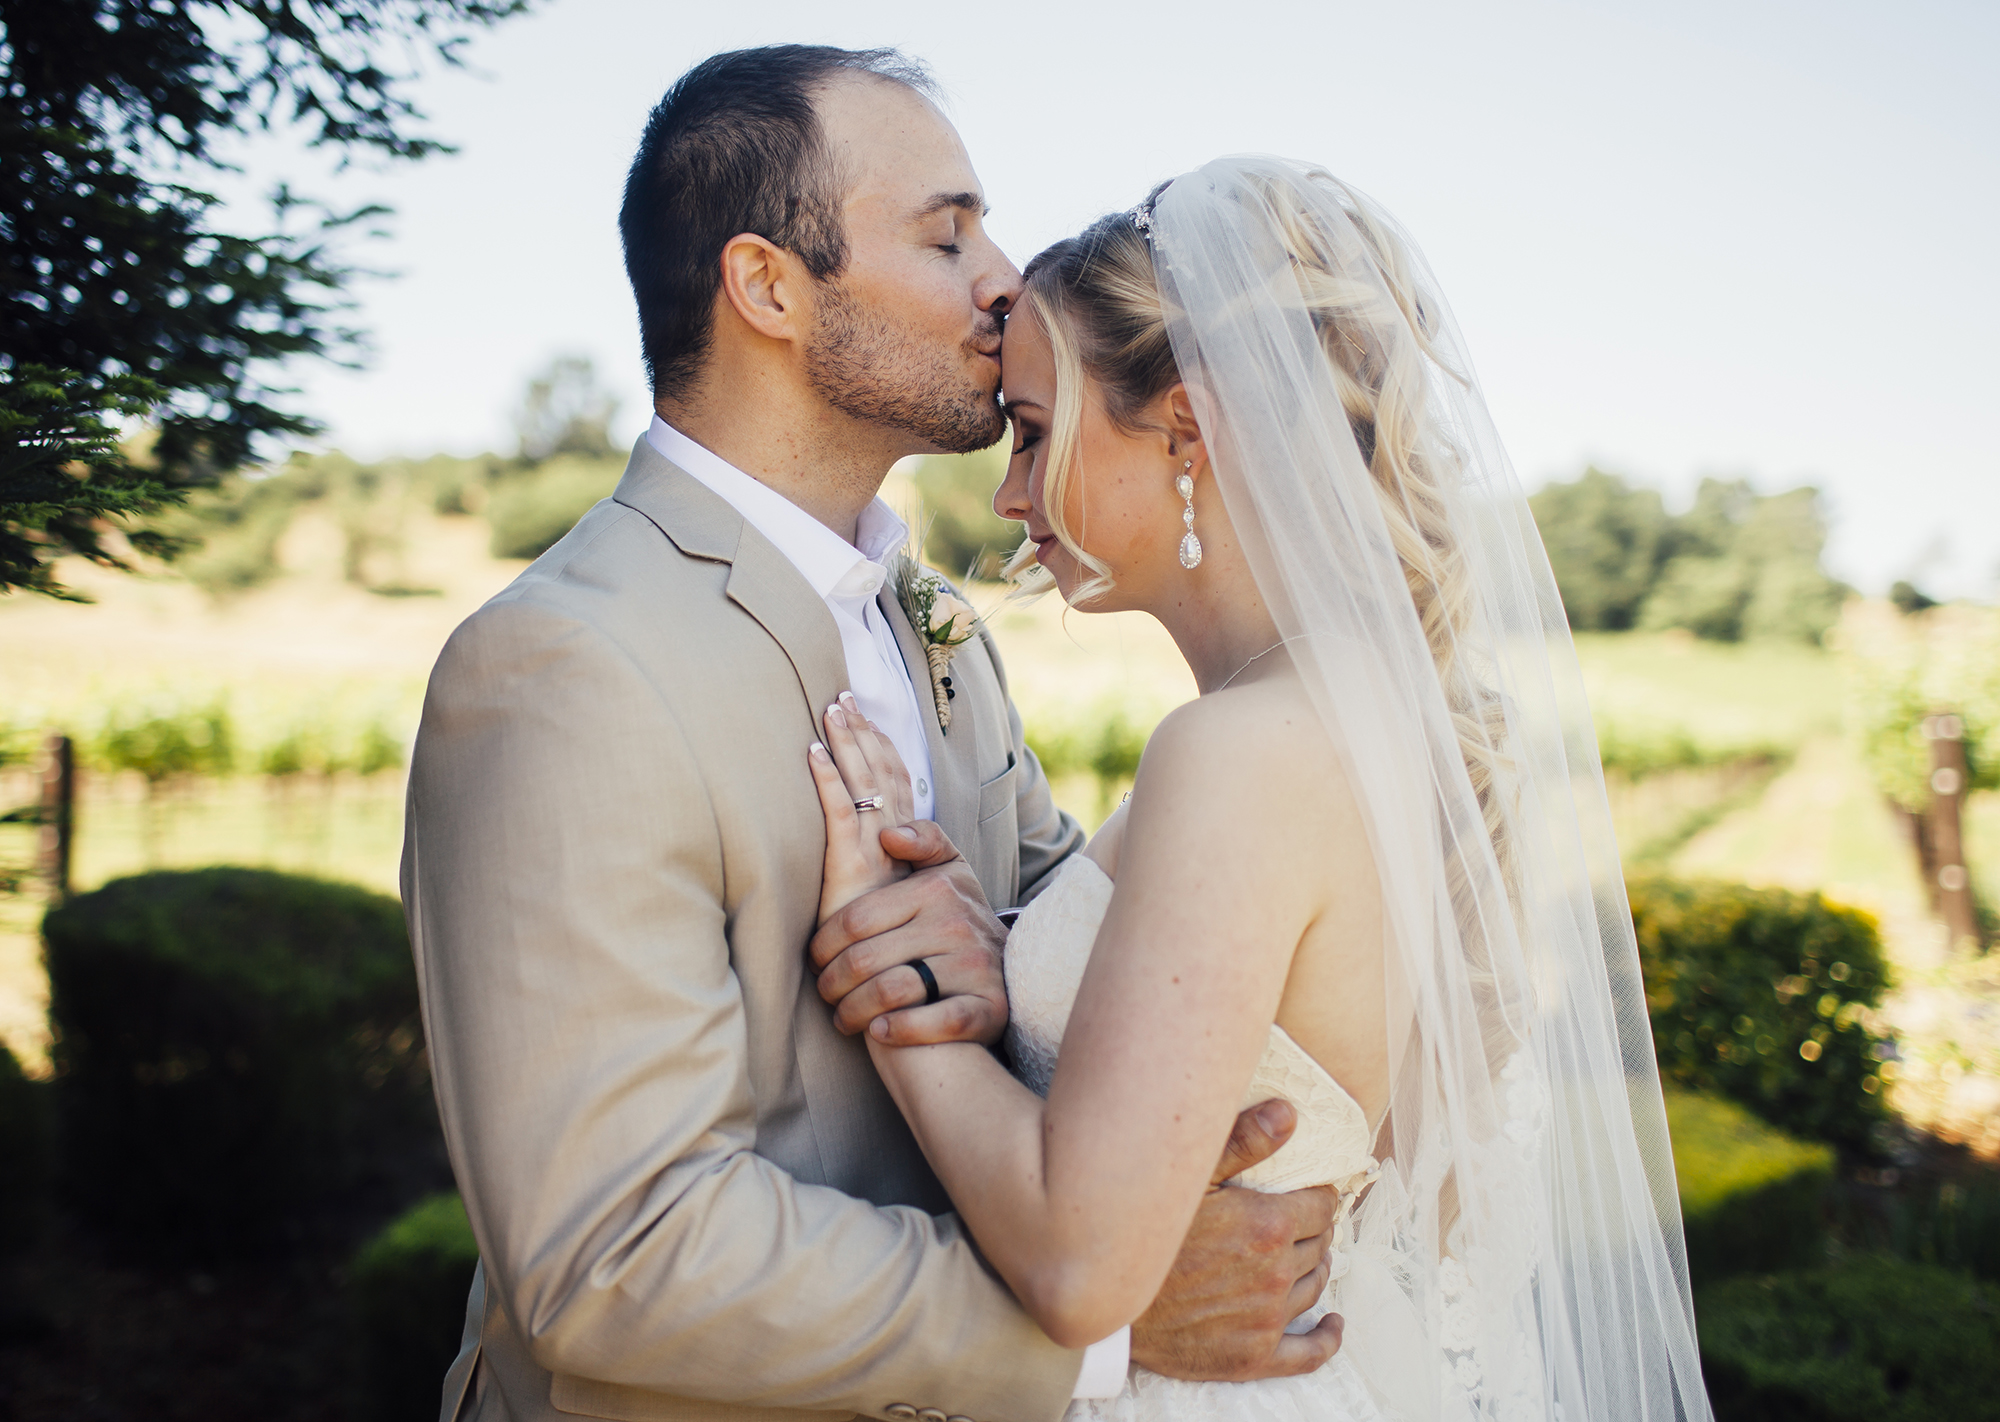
column 1190, row 545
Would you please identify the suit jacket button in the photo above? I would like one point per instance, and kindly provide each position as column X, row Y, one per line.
column 901, row 1411
column 958, row 1419
column 930, row 1414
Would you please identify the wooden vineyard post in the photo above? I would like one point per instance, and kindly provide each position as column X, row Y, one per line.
column 1946, row 734
column 58, row 816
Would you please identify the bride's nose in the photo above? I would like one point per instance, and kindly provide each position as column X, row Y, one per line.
column 1010, row 500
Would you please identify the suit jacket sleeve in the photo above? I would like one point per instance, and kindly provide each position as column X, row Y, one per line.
column 1048, row 835
column 563, row 875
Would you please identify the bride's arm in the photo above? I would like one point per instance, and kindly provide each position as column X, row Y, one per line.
column 1081, row 1202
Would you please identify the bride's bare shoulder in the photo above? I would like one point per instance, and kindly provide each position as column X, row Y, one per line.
column 1263, row 742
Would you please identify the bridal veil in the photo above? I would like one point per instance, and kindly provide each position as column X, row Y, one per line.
column 1527, row 1217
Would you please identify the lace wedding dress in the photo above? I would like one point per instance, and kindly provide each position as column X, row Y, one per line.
column 1046, row 956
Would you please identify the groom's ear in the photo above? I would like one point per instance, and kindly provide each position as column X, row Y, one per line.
column 764, row 285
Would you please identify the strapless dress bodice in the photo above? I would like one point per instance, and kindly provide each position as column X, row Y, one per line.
column 1046, row 956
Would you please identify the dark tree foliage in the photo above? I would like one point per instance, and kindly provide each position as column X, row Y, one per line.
column 61, row 474
column 117, row 280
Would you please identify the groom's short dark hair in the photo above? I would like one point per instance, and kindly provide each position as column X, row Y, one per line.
column 735, row 146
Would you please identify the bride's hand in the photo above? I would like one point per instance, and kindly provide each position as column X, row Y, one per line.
column 856, row 766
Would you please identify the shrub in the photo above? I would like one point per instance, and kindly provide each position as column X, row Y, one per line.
column 409, row 1286
column 1751, row 1196
column 26, row 1149
column 1763, row 996
column 529, row 512
column 1871, row 1340
column 1956, row 1225
column 234, row 1047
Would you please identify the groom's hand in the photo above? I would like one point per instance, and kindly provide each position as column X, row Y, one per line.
column 1251, row 1263
column 938, row 914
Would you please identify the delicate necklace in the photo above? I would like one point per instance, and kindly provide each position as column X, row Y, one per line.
column 1246, row 666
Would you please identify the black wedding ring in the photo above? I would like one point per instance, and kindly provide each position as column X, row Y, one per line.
column 931, row 993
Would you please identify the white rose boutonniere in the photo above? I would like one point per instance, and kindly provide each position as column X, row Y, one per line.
column 942, row 621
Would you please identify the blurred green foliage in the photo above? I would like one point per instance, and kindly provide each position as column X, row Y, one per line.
column 1892, row 693
column 233, row 1047
column 1766, row 997
column 1104, row 740
column 163, row 744
column 408, row 1286
column 1873, row 1339
column 961, row 533
column 1736, row 565
column 1956, row 1225
column 565, row 411
column 530, row 510
column 1752, row 1197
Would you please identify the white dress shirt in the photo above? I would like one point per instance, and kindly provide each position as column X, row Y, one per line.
column 848, row 578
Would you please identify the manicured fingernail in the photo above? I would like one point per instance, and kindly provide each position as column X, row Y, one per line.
column 818, row 750
column 835, row 716
column 847, row 700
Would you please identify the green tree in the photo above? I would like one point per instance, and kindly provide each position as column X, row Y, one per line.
column 121, row 291
column 1606, row 541
column 1737, row 564
column 565, row 411
column 62, row 474
column 1747, row 566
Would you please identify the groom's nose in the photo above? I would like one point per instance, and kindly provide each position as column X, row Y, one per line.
column 999, row 287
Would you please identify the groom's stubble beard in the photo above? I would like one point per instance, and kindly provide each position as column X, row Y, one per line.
column 870, row 369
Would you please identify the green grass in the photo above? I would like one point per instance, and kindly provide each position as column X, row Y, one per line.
column 1750, row 1194
column 1664, row 697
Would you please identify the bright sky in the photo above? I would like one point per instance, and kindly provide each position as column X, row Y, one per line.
column 1745, row 237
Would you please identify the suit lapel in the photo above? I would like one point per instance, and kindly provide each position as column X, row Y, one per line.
column 762, row 581
column 954, row 757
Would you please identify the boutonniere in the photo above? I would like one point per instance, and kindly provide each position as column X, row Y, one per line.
column 942, row 621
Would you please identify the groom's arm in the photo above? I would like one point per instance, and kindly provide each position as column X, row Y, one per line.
column 564, row 883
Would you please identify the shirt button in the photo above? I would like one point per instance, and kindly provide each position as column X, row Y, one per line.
column 923, row 787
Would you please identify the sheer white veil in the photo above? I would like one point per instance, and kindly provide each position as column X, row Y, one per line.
column 1526, row 1230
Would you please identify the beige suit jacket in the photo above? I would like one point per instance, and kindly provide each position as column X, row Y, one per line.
column 693, row 1197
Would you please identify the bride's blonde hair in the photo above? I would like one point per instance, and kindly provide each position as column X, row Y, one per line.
column 1097, row 297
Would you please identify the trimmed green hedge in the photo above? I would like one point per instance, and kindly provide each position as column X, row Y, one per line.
column 409, row 1289
column 1871, row 1340
column 233, row 1048
column 1762, row 996
column 26, row 1156
column 1752, row 1198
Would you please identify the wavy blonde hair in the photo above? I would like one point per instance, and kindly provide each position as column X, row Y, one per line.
column 1099, row 299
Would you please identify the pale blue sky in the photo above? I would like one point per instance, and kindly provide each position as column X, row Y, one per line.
column 1707, row 237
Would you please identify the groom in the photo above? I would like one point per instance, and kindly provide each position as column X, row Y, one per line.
column 693, row 1197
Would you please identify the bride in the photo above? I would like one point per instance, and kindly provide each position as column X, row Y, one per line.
column 1369, row 869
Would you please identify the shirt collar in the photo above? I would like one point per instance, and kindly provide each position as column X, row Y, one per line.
column 833, row 566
